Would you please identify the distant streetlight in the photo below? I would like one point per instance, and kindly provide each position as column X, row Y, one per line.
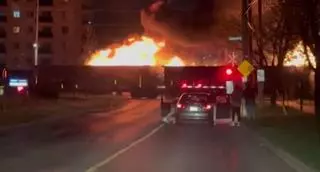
column 36, row 42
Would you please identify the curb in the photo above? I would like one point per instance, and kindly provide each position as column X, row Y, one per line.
column 292, row 161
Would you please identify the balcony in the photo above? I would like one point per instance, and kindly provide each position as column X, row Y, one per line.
column 46, row 17
column 45, row 48
column 46, row 2
column 45, row 35
column 45, row 32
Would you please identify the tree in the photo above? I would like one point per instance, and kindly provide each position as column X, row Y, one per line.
column 272, row 42
column 306, row 15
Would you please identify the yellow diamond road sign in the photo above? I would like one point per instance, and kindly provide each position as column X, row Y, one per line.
column 245, row 68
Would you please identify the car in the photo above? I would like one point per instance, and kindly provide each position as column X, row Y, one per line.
column 194, row 106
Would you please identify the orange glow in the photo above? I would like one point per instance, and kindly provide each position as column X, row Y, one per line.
column 297, row 57
column 140, row 51
column 175, row 61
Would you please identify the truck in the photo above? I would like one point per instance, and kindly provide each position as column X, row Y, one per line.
column 140, row 81
column 213, row 80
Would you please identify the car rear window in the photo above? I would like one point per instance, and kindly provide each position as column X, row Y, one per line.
column 194, row 98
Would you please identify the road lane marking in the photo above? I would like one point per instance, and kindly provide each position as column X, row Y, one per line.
column 95, row 167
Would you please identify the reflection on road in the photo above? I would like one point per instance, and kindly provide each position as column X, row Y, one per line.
column 78, row 143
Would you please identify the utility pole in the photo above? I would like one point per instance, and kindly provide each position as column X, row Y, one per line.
column 36, row 43
column 245, row 29
column 246, row 15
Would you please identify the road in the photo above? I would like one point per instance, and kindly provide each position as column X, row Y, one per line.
column 88, row 143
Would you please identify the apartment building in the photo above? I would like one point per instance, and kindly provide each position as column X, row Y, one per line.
column 63, row 26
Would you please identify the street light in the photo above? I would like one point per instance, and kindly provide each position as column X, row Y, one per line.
column 36, row 42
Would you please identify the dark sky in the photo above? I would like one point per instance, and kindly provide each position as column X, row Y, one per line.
column 117, row 18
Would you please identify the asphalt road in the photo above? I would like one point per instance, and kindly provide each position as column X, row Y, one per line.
column 95, row 143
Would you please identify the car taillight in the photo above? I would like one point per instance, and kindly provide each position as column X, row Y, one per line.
column 184, row 85
column 179, row 106
column 208, row 107
column 199, row 86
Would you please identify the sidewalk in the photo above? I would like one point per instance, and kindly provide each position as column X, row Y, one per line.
column 308, row 105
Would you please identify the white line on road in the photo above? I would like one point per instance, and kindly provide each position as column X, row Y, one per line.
column 95, row 167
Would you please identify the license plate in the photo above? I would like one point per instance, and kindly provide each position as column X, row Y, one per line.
column 192, row 108
column 221, row 99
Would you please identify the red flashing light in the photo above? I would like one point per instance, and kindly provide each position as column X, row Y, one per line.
column 179, row 106
column 229, row 71
column 208, row 107
column 184, row 85
column 20, row 89
column 199, row 86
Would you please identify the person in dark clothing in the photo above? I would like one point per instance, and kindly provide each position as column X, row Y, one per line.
column 235, row 101
column 249, row 94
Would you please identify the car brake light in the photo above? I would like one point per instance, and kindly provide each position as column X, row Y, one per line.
column 199, row 86
column 208, row 107
column 179, row 105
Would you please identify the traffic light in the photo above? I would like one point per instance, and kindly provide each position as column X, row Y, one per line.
column 229, row 71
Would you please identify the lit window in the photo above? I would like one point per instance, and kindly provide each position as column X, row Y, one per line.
column 16, row 29
column 16, row 14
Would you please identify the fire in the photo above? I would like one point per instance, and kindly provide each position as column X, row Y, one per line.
column 135, row 52
column 175, row 61
column 297, row 57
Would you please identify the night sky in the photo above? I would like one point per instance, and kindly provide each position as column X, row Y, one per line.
column 116, row 19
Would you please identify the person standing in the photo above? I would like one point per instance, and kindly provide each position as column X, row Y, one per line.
column 235, row 101
column 250, row 93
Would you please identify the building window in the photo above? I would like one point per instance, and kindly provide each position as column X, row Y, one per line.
column 16, row 29
column 65, row 30
column 46, row 2
column 30, row 29
column 45, row 48
column 46, row 17
column 16, row 45
column 16, row 14
column 46, row 32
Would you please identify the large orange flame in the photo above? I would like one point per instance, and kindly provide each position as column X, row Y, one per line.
column 297, row 57
column 135, row 52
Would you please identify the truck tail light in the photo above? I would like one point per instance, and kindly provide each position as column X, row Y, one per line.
column 20, row 89
column 208, row 107
column 199, row 86
column 184, row 85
